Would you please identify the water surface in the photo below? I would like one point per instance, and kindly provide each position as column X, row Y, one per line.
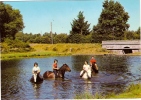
column 115, row 74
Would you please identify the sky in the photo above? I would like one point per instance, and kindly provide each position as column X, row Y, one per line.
column 38, row 15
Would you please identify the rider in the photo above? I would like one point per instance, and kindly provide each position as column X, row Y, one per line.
column 55, row 67
column 86, row 68
column 93, row 62
column 35, row 70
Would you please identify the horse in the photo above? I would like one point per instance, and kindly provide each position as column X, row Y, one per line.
column 94, row 68
column 61, row 72
column 86, row 74
column 39, row 78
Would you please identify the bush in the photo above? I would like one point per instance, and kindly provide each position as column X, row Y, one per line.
column 5, row 48
column 15, row 46
column 54, row 49
column 65, row 50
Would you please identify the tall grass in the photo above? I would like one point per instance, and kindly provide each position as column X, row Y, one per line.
column 84, row 48
column 41, row 50
column 132, row 91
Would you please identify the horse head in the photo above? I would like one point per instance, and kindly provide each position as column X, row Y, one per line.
column 66, row 67
column 63, row 69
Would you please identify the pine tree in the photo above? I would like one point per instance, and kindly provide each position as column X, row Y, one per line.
column 112, row 22
column 80, row 26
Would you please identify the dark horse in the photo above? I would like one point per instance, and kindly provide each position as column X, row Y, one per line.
column 94, row 68
column 61, row 72
column 39, row 79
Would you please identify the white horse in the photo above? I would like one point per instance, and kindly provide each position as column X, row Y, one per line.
column 86, row 74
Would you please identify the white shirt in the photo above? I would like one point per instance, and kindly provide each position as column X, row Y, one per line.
column 87, row 67
column 36, row 68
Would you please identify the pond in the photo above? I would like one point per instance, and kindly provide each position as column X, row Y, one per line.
column 116, row 72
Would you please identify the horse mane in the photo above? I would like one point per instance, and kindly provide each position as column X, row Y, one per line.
column 62, row 70
column 62, row 67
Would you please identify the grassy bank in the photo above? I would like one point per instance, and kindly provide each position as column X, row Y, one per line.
column 46, row 50
column 85, row 48
column 133, row 91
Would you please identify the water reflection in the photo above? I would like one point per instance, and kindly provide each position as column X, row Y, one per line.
column 55, row 89
column 105, row 63
column 61, row 89
column 113, row 63
column 78, row 62
column 36, row 89
column 88, row 86
column 115, row 73
column 112, row 88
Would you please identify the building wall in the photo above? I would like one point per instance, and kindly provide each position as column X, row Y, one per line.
column 122, row 42
column 119, row 46
column 113, row 46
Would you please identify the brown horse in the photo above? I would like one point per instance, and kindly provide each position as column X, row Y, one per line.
column 94, row 68
column 61, row 72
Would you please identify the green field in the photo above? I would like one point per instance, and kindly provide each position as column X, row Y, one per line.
column 47, row 50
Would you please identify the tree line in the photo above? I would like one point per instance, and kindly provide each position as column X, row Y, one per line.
column 65, row 38
column 112, row 25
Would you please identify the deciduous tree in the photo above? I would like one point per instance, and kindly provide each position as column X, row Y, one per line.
column 11, row 21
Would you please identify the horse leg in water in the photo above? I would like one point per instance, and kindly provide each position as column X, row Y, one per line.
column 89, row 74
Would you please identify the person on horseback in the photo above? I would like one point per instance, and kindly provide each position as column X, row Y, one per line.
column 35, row 71
column 55, row 68
column 86, row 69
column 94, row 65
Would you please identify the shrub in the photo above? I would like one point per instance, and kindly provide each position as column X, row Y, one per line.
column 15, row 46
column 65, row 50
column 5, row 48
column 54, row 49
